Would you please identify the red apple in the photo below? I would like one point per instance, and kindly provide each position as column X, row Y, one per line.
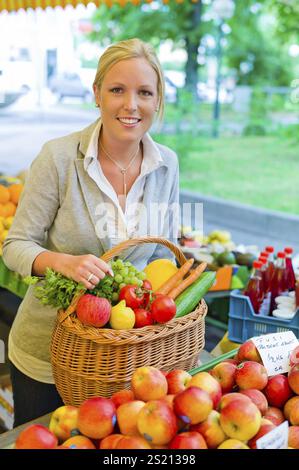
column 294, row 414
column 224, row 372
column 289, row 405
column 157, row 423
column 121, row 397
column 143, row 318
column 110, row 442
column 293, row 378
column 93, row 311
column 127, row 417
column 211, row 430
column 233, row 444
column 79, row 442
column 251, row 374
column 274, row 415
column 36, row 436
column 64, row 422
column 264, row 429
column 240, row 419
column 94, row 411
column 258, row 398
column 188, row 440
column 132, row 442
column 248, row 352
column 193, row 405
column 228, row 397
column 294, row 437
column 149, row 383
column 206, row 382
column 177, row 380
column 294, row 357
column 278, row 390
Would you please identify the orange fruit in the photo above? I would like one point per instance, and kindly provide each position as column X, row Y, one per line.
column 15, row 190
column 4, row 194
column 2, row 210
column 9, row 209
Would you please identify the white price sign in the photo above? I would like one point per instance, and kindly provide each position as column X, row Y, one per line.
column 275, row 439
column 275, row 350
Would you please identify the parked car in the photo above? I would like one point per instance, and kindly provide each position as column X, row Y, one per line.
column 69, row 85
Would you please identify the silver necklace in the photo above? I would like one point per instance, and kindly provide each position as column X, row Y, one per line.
column 122, row 169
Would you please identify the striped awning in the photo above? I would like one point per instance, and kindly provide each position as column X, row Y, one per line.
column 15, row 5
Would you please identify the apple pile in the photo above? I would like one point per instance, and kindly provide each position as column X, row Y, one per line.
column 229, row 407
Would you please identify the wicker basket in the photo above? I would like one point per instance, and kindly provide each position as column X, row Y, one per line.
column 89, row 361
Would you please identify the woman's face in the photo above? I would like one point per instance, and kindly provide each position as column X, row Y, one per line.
column 128, row 99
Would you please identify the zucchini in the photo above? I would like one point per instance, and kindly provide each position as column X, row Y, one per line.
column 189, row 299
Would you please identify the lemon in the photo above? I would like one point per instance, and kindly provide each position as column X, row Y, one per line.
column 8, row 222
column 159, row 271
column 122, row 317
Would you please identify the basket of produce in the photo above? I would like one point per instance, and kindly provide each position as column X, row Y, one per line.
column 91, row 360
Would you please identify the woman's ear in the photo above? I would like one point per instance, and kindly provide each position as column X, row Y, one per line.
column 96, row 95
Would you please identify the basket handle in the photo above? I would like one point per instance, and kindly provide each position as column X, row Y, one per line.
column 116, row 250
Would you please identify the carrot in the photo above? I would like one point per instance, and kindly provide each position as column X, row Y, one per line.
column 188, row 281
column 177, row 277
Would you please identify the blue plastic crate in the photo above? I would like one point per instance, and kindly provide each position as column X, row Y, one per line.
column 243, row 323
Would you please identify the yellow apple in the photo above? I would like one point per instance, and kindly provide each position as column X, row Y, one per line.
column 240, row 419
column 64, row 422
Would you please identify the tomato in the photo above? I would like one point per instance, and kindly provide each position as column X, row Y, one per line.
column 143, row 318
column 133, row 296
column 147, row 285
column 163, row 308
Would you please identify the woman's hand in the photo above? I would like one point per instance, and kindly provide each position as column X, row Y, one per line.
column 87, row 269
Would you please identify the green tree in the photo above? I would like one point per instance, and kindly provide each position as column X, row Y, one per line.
column 155, row 23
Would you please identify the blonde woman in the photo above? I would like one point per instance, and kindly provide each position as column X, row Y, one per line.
column 85, row 193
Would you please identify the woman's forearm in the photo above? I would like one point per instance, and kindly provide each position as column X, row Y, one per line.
column 49, row 259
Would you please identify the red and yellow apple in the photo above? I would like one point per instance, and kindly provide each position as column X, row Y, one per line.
column 127, row 417
column 157, row 423
column 211, row 430
column 177, row 380
column 206, row 382
column 36, row 436
column 149, row 383
column 64, row 422
column 258, row 398
column 294, row 414
column 248, row 352
column 224, row 372
column 277, row 390
column 79, row 442
column 94, row 411
column 264, row 429
column 193, row 405
column 110, row 442
column 275, row 415
column 294, row 437
column 251, row 374
column 294, row 357
column 233, row 444
column 289, row 405
column 240, row 419
column 132, row 442
column 293, row 378
column 121, row 397
column 228, row 397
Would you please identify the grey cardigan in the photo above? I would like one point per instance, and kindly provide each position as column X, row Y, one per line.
column 58, row 212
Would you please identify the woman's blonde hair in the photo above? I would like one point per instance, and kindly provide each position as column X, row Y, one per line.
column 130, row 49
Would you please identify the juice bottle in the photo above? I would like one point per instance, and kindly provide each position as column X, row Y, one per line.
column 254, row 288
column 290, row 279
column 270, row 268
column 264, row 261
column 278, row 279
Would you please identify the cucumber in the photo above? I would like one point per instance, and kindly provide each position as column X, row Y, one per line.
column 189, row 298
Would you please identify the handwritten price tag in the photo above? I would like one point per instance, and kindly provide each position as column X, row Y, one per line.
column 275, row 439
column 275, row 350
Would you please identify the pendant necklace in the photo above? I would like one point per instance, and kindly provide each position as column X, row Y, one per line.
column 123, row 170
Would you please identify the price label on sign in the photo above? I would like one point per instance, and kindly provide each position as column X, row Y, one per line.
column 275, row 439
column 275, row 350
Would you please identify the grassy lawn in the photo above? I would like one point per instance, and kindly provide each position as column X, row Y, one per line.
column 261, row 171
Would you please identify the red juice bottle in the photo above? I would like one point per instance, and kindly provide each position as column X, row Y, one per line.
column 278, row 279
column 264, row 261
column 254, row 288
column 290, row 280
column 271, row 267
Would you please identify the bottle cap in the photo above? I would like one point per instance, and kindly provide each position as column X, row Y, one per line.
column 281, row 254
column 257, row 264
column 288, row 250
column 270, row 249
column 264, row 253
column 263, row 259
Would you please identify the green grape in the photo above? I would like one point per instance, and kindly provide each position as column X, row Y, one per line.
column 118, row 278
column 135, row 280
column 122, row 285
column 127, row 280
column 125, row 271
column 142, row 275
column 139, row 283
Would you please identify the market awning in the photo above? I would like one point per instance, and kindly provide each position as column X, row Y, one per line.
column 15, row 5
